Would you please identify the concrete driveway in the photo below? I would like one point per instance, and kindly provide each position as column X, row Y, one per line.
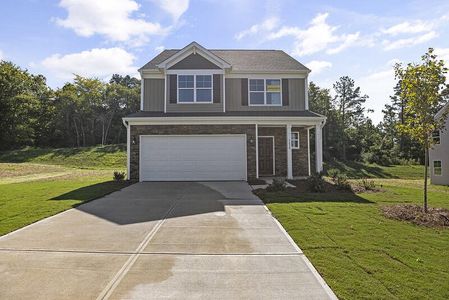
column 212, row 240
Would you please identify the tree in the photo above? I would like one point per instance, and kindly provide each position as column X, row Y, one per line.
column 349, row 103
column 423, row 86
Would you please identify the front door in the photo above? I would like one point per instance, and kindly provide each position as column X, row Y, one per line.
column 266, row 155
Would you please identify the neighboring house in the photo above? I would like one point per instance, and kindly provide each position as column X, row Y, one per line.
column 439, row 154
column 222, row 115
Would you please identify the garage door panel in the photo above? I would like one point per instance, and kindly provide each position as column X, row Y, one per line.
column 205, row 157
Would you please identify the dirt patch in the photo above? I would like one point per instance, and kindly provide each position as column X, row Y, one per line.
column 435, row 217
column 24, row 169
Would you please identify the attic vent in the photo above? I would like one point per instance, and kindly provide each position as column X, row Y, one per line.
column 194, row 50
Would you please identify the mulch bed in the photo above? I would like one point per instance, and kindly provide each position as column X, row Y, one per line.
column 435, row 217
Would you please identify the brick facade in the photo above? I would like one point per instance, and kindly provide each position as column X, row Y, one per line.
column 299, row 156
column 137, row 130
column 300, row 159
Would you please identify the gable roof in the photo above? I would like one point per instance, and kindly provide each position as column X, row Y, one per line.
column 240, row 60
column 441, row 112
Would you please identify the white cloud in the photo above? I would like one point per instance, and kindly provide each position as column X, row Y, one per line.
column 110, row 18
column 176, row 8
column 409, row 28
column 411, row 41
column 266, row 26
column 159, row 49
column 318, row 36
column 317, row 66
column 443, row 53
column 98, row 62
column 379, row 86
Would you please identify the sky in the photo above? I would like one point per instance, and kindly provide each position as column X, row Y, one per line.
column 96, row 38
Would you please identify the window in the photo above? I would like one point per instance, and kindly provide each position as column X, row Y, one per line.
column 265, row 92
column 295, row 140
column 436, row 137
column 194, row 88
column 437, row 168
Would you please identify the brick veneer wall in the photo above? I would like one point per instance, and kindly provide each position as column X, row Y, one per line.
column 300, row 160
column 137, row 130
column 280, row 148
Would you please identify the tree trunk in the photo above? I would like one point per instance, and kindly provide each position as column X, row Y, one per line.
column 426, row 163
column 77, row 133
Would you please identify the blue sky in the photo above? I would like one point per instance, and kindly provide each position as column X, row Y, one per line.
column 361, row 39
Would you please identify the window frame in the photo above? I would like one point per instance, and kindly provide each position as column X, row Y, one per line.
column 436, row 135
column 295, row 139
column 264, row 91
column 195, row 88
column 440, row 167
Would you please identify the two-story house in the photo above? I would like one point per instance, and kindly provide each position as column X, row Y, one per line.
column 439, row 153
column 222, row 115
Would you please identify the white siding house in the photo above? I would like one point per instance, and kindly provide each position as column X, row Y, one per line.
column 439, row 154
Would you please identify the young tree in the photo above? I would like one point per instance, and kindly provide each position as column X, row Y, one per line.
column 423, row 86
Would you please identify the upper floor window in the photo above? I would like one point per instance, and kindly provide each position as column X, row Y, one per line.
column 265, row 92
column 436, row 137
column 195, row 88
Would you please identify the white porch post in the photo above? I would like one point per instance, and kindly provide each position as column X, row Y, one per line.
column 319, row 147
column 257, row 151
column 289, row 152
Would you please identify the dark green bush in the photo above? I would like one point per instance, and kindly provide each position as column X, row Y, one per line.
column 119, row 176
column 316, row 182
column 277, row 185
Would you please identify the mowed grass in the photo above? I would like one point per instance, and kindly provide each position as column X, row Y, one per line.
column 37, row 183
column 100, row 157
column 360, row 170
column 360, row 253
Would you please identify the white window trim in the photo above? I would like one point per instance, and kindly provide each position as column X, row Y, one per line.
column 264, row 91
column 439, row 137
column 299, row 145
column 194, row 89
column 441, row 168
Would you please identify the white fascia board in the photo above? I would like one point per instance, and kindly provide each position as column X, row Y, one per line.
column 440, row 113
column 268, row 75
column 189, row 49
column 152, row 74
column 195, row 72
column 198, row 120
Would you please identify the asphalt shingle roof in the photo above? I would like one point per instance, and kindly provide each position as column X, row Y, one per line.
column 243, row 60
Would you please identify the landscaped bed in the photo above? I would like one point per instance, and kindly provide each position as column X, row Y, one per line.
column 360, row 252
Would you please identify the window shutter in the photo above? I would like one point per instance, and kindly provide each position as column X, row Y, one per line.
column 173, row 89
column 217, row 87
column 244, row 91
column 285, row 95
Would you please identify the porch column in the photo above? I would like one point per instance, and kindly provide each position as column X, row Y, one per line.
column 289, row 152
column 257, row 151
column 319, row 147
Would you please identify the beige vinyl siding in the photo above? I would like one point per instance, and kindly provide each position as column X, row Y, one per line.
column 194, row 61
column 153, row 95
column 296, row 89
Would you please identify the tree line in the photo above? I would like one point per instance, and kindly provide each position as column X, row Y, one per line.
column 88, row 111
column 84, row 112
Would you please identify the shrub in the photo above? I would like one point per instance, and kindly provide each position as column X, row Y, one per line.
column 339, row 179
column 119, row 176
column 367, row 184
column 277, row 185
column 316, row 182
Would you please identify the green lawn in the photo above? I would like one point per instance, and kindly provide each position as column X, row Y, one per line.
column 37, row 183
column 359, row 170
column 100, row 157
column 360, row 253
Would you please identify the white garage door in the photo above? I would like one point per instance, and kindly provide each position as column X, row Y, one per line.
column 193, row 157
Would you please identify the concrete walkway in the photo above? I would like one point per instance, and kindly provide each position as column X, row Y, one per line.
column 183, row 240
